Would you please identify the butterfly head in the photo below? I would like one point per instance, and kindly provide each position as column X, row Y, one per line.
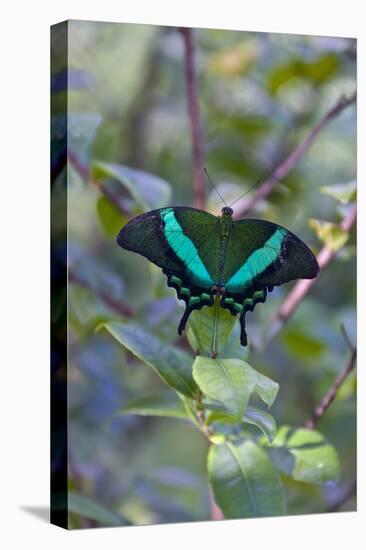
column 227, row 211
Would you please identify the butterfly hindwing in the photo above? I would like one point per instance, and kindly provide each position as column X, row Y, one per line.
column 184, row 242
column 261, row 255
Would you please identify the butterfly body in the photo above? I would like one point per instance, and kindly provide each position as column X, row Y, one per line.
column 204, row 256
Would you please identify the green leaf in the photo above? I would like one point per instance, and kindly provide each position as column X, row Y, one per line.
column 171, row 364
column 263, row 420
column 147, row 190
column 226, row 381
column 331, row 234
column 305, row 455
column 302, row 345
column 229, row 425
column 341, row 192
column 88, row 508
column 109, row 216
column 200, row 329
column 231, row 382
column 81, row 130
column 266, row 388
column 317, row 71
column 244, row 481
column 162, row 404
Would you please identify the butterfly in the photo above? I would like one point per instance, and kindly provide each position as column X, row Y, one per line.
column 204, row 256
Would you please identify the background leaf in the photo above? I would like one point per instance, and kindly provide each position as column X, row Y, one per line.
column 109, row 217
column 331, row 234
column 342, row 192
column 162, row 404
column 88, row 508
column 172, row 365
column 147, row 190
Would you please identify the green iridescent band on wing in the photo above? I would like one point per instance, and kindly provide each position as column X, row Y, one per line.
column 257, row 263
column 184, row 248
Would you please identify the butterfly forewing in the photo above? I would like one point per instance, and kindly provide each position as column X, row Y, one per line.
column 261, row 251
column 184, row 242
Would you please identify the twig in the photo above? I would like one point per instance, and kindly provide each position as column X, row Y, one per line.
column 193, row 111
column 329, row 397
column 346, row 337
column 286, row 166
column 83, row 170
column 216, row 512
column 206, row 430
column 302, row 287
column 117, row 305
column 349, row 492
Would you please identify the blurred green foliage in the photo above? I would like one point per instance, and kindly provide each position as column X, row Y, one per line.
column 259, row 95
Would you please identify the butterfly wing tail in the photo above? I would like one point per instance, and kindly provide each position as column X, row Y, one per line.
column 184, row 319
column 243, row 334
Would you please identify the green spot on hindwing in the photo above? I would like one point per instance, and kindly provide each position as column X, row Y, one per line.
column 259, row 295
column 184, row 291
column 176, row 281
column 248, row 302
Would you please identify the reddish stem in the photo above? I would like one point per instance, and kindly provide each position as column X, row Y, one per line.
column 194, row 117
column 330, row 395
column 288, row 164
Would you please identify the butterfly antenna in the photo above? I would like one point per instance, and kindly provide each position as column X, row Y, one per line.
column 246, row 192
column 214, row 186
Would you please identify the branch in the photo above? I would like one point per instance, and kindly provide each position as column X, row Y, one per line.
column 193, row 111
column 329, row 397
column 286, row 166
column 302, row 287
column 84, row 172
column 118, row 306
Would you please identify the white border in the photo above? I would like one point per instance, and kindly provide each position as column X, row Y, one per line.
column 24, row 272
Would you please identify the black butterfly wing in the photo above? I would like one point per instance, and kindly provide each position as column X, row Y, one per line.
column 184, row 243
column 259, row 256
